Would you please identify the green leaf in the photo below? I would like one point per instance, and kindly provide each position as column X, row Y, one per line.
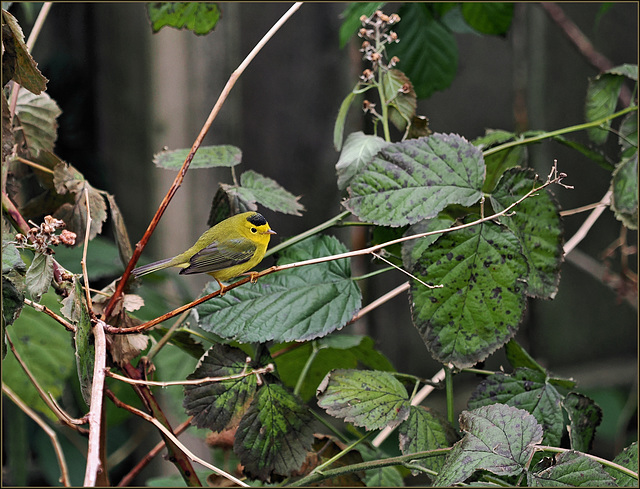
column 426, row 430
column 537, row 225
column 427, row 49
column 39, row 275
column 201, row 18
column 17, row 62
column 414, row 180
column 334, row 351
column 11, row 259
column 519, row 357
column 371, row 399
column 602, row 98
column 488, row 17
column 83, row 340
column 584, row 417
column 275, row 434
column 120, row 231
column 338, row 128
column 482, row 300
column 627, row 458
column 399, row 93
column 67, row 179
column 227, row 203
column 572, row 469
column 351, row 15
column 45, row 348
column 358, row 150
column 296, row 304
column 37, row 116
column 525, row 389
column 498, row 438
column 267, row 192
column 206, row 157
column 413, row 249
column 497, row 163
column 624, row 183
column 219, row 405
column 628, row 138
column 626, row 70
column 380, row 476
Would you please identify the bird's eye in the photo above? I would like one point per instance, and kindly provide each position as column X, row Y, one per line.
column 254, row 230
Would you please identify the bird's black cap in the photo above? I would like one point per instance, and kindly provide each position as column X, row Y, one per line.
column 257, row 219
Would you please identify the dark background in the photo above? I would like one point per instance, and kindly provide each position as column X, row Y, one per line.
column 125, row 93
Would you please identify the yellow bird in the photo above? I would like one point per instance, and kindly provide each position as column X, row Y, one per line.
column 226, row 250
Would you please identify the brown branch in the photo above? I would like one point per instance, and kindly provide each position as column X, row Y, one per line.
column 128, row 479
column 187, row 162
column 583, row 44
column 39, row 307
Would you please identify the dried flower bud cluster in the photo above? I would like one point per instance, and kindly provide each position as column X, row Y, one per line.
column 375, row 35
column 39, row 238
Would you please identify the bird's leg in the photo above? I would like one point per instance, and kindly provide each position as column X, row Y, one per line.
column 222, row 287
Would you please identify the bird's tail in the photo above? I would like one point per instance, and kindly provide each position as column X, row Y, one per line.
column 151, row 267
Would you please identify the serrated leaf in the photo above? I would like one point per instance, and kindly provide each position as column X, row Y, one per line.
column 125, row 251
column 45, row 348
column 399, row 93
column 628, row 70
column 275, row 434
column 17, row 62
column 584, row 417
column 219, row 405
column 414, row 180
column 201, row 18
column 67, row 179
column 427, row 50
column 351, row 19
column 488, row 17
column 83, row 342
column 572, row 469
column 358, row 150
column 39, row 275
column 601, row 101
column 627, row 458
column 223, row 155
column 497, row 163
column 628, row 137
column 537, row 225
column 519, row 357
column 624, row 184
column 371, row 399
column 426, row 430
column 11, row 259
column 498, row 438
column 226, row 203
column 296, row 304
column 269, row 193
column 525, row 389
column 36, row 115
column 333, row 351
column 482, row 302
column 338, row 128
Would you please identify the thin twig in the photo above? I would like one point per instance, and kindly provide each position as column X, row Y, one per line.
column 50, row 313
column 173, row 438
column 258, row 371
column 94, row 464
column 380, row 257
column 187, row 162
column 57, row 448
column 85, row 274
column 43, row 395
column 127, row 479
column 554, row 177
column 587, row 224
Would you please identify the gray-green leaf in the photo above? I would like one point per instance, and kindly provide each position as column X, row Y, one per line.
column 39, row 275
column 296, row 304
column 206, row 157
column 358, row 150
column 367, row 398
column 624, row 183
column 414, row 180
column 199, row 17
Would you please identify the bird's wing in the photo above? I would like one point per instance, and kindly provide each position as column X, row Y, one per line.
column 218, row 256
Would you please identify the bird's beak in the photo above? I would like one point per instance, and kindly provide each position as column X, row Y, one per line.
column 270, row 231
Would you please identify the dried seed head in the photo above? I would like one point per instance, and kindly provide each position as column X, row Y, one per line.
column 68, row 237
